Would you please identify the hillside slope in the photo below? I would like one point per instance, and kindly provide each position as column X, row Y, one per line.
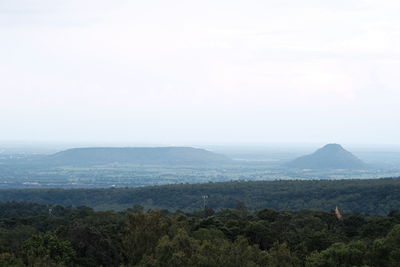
column 331, row 156
column 136, row 155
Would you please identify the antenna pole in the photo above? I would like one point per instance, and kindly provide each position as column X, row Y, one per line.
column 205, row 197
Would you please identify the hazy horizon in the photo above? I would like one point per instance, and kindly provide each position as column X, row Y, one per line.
column 29, row 147
column 184, row 73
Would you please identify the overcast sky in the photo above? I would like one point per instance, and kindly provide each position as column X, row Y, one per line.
column 193, row 72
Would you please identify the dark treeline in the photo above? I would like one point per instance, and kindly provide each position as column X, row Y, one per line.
column 374, row 196
column 49, row 235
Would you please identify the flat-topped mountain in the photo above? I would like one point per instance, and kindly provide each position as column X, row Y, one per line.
column 136, row 155
column 331, row 156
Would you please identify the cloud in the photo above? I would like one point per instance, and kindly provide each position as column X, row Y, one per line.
column 260, row 70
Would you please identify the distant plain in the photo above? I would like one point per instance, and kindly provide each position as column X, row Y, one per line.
column 19, row 168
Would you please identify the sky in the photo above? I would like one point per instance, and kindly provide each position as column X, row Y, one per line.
column 200, row 72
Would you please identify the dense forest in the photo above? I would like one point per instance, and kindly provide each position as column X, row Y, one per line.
column 43, row 235
column 375, row 196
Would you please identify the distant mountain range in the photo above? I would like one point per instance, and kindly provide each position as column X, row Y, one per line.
column 331, row 156
column 136, row 155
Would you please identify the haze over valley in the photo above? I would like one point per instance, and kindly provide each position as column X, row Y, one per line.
column 94, row 167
